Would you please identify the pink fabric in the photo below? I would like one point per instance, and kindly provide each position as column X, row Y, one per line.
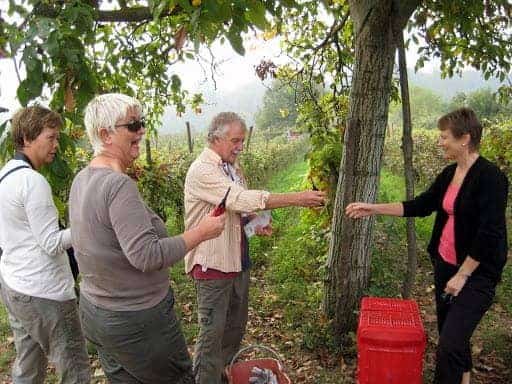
column 211, row 274
column 447, row 243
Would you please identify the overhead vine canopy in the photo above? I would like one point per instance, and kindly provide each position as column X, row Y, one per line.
column 79, row 47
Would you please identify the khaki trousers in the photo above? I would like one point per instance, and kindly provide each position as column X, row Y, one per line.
column 46, row 330
column 222, row 314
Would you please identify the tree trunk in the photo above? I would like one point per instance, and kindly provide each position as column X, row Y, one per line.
column 407, row 147
column 375, row 24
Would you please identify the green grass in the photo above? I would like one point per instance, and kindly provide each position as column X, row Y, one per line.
column 185, row 301
column 504, row 291
column 7, row 352
column 293, row 260
column 389, row 255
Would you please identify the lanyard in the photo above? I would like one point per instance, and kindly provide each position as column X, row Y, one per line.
column 227, row 171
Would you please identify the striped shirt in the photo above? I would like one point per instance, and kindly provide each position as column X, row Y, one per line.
column 205, row 185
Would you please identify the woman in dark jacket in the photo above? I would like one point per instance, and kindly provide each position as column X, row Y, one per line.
column 468, row 246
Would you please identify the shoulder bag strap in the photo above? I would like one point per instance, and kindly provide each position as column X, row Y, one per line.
column 13, row 170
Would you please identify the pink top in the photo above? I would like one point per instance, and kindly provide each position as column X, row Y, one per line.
column 447, row 243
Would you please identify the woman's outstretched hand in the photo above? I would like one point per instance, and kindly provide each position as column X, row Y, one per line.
column 358, row 210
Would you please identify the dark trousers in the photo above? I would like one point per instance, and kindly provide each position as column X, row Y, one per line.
column 139, row 347
column 457, row 318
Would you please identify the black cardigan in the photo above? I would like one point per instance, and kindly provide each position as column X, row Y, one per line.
column 479, row 210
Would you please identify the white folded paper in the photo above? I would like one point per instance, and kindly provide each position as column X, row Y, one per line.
column 263, row 219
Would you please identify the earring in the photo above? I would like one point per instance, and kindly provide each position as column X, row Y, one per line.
column 464, row 144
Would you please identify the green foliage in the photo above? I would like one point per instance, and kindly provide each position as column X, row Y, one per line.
column 161, row 185
column 484, row 102
column 297, row 260
column 428, row 160
column 475, row 33
column 324, row 120
column 497, row 145
column 426, row 107
column 319, row 36
column 6, row 355
column 427, row 157
column 389, row 255
column 78, row 48
column 264, row 158
column 504, row 291
column 279, row 110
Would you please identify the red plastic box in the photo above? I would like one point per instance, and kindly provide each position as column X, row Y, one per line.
column 391, row 342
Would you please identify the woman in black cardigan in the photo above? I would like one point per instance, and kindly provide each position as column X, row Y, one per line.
column 468, row 246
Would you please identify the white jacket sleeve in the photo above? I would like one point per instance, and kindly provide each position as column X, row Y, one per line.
column 43, row 217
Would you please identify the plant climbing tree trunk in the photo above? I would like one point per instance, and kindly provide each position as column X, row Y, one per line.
column 407, row 147
column 376, row 24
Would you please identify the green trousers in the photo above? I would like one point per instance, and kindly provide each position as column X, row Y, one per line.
column 222, row 315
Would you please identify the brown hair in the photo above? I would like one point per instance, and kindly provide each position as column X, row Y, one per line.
column 460, row 122
column 28, row 123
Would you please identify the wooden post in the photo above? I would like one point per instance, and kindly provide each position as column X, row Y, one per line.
column 149, row 159
column 189, row 136
column 249, row 138
column 407, row 147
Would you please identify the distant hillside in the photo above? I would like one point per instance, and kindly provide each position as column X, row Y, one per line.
column 244, row 101
column 247, row 99
column 447, row 88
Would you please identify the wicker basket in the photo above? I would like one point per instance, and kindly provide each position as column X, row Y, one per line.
column 239, row 372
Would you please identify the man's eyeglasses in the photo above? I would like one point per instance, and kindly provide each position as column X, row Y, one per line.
column 133, row 126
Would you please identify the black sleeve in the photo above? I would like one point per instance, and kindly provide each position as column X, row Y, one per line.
column 491, row 205
column 427, row 202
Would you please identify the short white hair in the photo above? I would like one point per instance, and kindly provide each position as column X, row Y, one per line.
column 220, row 123
column 104, row 111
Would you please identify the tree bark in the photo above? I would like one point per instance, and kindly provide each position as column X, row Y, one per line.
column 407, row 147
column 348, row 266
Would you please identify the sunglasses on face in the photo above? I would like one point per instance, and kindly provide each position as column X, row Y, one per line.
column 134, row 126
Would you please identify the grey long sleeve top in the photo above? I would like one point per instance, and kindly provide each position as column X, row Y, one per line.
column 121, row 245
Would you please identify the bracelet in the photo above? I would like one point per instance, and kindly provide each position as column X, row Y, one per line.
column 464, row 273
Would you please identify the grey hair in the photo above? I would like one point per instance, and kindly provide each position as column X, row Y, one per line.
column 104, row 111
column 219, row 124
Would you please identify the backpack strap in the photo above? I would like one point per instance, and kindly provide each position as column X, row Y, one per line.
column 13, row 170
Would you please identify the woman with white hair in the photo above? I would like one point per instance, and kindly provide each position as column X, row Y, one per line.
column 124, row 252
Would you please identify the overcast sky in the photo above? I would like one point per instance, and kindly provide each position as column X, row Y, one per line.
column 234, row 70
